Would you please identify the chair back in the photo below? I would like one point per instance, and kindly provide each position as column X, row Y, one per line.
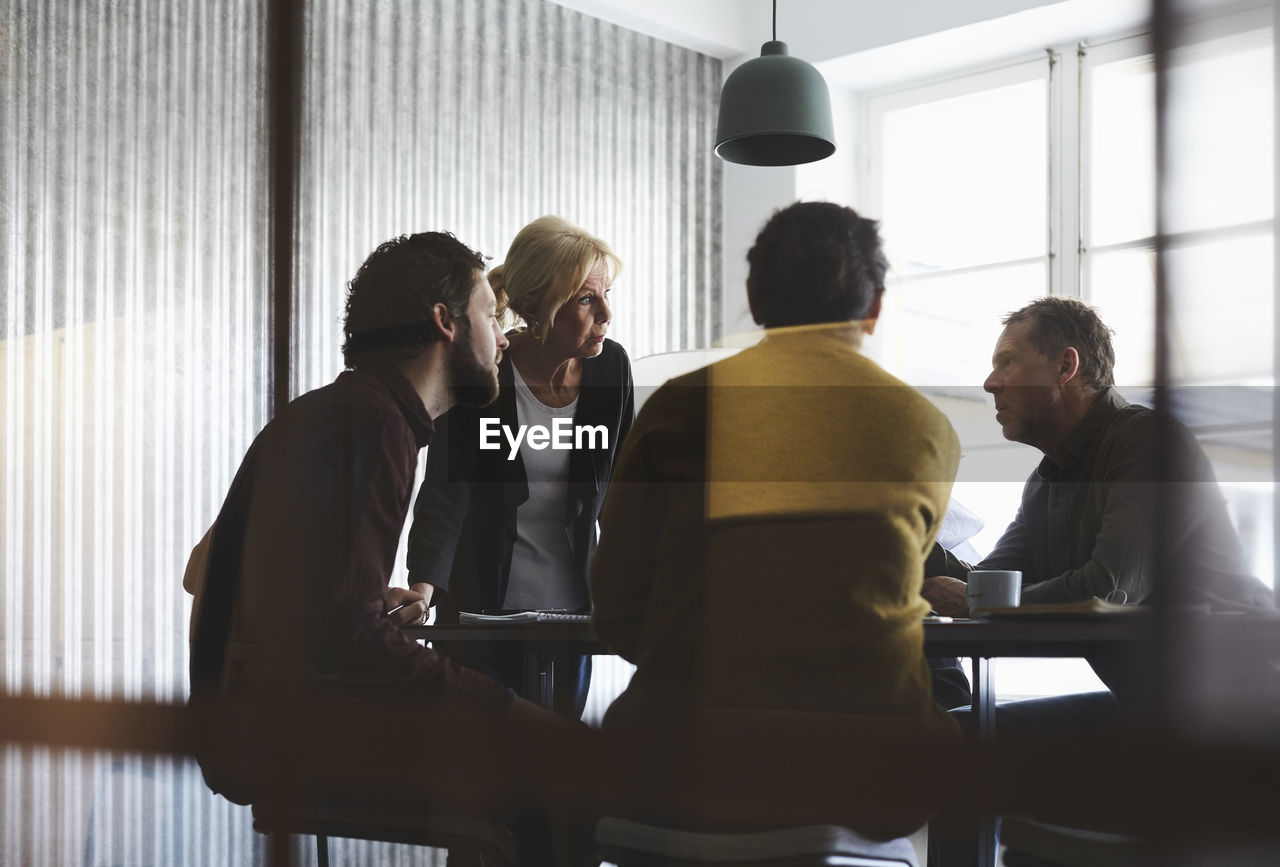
column 814, row 613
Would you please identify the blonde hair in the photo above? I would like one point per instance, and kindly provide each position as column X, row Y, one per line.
column 549, row 260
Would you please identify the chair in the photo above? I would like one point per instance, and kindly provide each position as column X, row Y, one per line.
column 773, row 686
column 1039, row 844
column 390, row 825
column 633, row 844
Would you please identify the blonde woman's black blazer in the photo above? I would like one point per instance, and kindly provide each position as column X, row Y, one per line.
column 464, row 520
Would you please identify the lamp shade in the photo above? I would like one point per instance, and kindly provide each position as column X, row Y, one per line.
column 775, row 110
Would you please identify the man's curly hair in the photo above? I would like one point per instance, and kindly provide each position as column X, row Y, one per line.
column 401, row 282
column 815, row 262
column 1058, row 322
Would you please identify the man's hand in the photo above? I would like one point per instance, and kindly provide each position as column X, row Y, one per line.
column 414, row 611
column 425, row 589
column 946, row 595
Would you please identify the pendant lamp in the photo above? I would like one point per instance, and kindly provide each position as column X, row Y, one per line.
column 775, row 110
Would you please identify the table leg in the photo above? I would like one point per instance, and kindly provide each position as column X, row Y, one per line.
column 984, row 697
column 984, row 705
column 549, row 682
column 539, row 679
column 532, row 677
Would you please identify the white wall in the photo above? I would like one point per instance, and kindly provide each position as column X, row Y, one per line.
column 836, row 179
column 751, row 194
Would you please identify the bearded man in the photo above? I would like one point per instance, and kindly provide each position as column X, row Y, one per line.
column 295, row 595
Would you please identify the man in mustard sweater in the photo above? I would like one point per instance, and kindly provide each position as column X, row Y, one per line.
column 763, row 540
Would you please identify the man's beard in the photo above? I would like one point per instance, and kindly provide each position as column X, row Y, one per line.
column 474, row 383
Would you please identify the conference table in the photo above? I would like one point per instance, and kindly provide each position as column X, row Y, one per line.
column 543, row 644
column 980, row 640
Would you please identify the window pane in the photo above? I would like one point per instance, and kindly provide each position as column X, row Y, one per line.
column 1252, row 506
column 1122, row 287
column 1122, row 152
column 942, row 330
column 1222, row 309
column 964, row 179
column 1220, row 141
column 1220, row 137
column 1222, row 295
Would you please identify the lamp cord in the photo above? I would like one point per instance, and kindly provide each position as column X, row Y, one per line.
column 775, row 20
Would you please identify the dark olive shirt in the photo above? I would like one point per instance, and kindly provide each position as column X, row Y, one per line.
column 1088, row 527
column 304, row 546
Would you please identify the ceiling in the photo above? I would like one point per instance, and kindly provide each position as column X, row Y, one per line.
column 860, row 44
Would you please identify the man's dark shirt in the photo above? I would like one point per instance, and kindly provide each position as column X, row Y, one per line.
column 1088, row 527
column 304, row 546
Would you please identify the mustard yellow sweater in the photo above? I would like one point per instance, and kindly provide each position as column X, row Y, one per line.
column 763, row 538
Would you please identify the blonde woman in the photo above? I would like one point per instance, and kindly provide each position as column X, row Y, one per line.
column 506, row 517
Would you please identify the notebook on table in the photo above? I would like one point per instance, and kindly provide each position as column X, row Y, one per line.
column 493, row 618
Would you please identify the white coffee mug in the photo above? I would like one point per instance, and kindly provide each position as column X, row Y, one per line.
column 993, row 588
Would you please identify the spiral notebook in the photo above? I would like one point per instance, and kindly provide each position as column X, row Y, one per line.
column 472, row 618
